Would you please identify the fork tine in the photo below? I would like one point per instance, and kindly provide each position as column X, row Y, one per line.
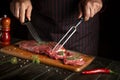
column 62, row 39
column 68, row 38
column 74, row 28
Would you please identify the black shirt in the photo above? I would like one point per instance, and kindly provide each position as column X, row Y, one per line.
column 53, row 18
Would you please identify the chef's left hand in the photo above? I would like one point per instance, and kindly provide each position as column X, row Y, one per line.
column 88, row 8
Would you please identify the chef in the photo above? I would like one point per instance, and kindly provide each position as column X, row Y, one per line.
column 53, row 18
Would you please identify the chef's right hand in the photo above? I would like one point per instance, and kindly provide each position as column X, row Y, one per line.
column 21, row 9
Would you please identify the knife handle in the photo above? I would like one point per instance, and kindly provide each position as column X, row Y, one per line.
column 26, row 20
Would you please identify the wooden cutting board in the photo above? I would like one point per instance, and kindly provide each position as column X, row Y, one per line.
column 16, row 51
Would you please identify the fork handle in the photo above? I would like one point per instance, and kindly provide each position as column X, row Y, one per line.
column 80, row 20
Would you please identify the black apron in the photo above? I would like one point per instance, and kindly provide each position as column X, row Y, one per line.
column 53, row 18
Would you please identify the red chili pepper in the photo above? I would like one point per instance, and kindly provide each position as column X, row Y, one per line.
column 98, row 70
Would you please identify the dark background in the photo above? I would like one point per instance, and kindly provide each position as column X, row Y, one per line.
column 109, row 28
column 109, row 45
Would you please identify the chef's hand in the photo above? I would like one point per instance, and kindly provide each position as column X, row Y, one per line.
column 21, row 9
column 88, row 8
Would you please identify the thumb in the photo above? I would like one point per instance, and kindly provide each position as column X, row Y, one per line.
column 80, row 13
column 28, row 13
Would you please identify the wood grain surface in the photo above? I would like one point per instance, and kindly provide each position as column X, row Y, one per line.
column 16, row 51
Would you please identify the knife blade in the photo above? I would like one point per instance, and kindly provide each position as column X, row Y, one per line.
column 32, row 30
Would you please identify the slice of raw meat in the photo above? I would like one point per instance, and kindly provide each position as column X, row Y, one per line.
column 46, row 48
column 74, row 59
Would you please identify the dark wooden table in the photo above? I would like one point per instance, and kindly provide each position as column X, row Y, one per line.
column 26, row 70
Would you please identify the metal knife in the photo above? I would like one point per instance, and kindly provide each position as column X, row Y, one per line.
column 32, row 30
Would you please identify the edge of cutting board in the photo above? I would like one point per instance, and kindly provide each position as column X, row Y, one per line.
column 16, row 51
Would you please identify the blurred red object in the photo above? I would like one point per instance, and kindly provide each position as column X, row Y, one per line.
column 5, row 30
